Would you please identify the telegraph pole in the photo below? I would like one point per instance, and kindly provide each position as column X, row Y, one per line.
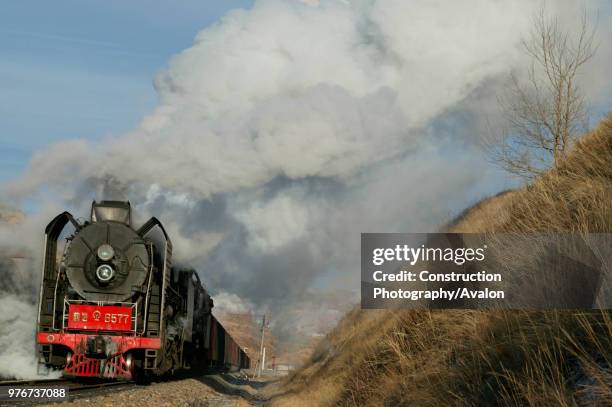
column 263, row 360
column 261, row 347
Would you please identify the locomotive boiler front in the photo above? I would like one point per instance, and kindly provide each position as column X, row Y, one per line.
column 106, row 260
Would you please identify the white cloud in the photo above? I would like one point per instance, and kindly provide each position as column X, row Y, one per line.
column 290, row 89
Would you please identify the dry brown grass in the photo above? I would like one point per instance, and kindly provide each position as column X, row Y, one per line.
column 465, row 358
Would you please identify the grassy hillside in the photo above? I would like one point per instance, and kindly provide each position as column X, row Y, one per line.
column 459, row 357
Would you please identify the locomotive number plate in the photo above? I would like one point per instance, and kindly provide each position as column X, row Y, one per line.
column 99, row 318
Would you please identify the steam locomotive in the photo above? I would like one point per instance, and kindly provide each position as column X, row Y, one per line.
column 113, row 306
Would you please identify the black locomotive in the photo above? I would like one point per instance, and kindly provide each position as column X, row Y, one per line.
column 112, row 305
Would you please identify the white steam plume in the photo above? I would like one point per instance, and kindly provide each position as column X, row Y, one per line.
column 293, row 90
column 20, row 254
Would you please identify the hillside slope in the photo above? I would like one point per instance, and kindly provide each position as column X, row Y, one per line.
column 462, row 357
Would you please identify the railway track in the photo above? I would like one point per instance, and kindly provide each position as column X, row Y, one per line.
column 76, row 389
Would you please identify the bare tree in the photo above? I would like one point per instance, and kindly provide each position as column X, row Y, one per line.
column 545, row 112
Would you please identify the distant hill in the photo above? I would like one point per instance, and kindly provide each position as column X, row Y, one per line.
column 246, row 331
column 10, row 215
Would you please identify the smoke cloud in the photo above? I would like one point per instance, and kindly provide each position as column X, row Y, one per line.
column 288, row 129
column 20, row 256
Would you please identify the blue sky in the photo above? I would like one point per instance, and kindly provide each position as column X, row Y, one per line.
column 76, row 69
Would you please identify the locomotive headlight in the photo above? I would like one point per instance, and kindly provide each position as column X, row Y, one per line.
column 105, row 273
column 106, row 252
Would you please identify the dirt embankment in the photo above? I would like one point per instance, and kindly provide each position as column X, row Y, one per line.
column 462, row 357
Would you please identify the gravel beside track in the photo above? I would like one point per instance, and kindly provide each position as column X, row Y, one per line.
column 215, row 390
column 185, row 392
